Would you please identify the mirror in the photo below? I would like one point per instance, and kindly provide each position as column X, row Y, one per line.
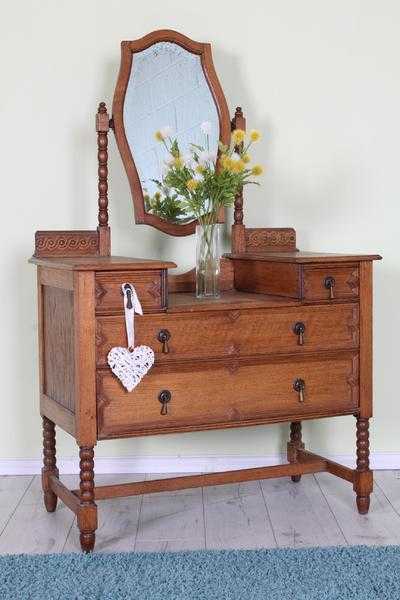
column 166, row 83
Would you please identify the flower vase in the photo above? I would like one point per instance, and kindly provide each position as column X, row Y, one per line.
column 207, row 260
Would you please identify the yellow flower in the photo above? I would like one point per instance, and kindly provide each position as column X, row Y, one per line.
column 246, row 158
column 237, row 166
column 178, row 162
column 238, row 136
column 192, row 184
column 200, row 169
column 159, row 136
column 255, row 135
column 225, row 162
column 257, row 170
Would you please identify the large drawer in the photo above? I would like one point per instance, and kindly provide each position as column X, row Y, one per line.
column 226, row 394
column 150, row 286
column 205, row 335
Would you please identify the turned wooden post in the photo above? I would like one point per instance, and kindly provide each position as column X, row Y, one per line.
column 102, row 127
column 238, row 229
column 363, row 478
column 49, row 464
column 87, row 514
column 295, row 444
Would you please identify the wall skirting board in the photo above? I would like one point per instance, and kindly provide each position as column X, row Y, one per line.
column 180, row 464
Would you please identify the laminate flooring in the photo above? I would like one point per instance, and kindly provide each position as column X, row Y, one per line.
column 318, row 511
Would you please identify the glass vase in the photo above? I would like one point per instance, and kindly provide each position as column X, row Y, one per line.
column 207, row 260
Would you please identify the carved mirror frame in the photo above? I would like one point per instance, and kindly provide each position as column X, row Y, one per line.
column 128, row 48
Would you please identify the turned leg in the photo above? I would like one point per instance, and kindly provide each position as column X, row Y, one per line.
column 294, row 445
column 87, row 514
column 49, row 464
column 363, row 483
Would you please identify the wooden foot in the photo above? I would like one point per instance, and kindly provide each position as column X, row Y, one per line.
column 49, row 464
column 362, row 504
column 87, row 513
column 294, row 445
column 363, row 481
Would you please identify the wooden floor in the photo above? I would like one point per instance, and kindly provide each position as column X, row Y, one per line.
column 318, row 511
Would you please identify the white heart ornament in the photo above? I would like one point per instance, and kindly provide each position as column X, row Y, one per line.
column 130, row 366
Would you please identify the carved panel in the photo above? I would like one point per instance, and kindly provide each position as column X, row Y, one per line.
column 270, row 240
column 66, row 243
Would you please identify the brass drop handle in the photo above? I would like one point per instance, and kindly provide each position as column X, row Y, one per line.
column 299, row 330
column 329, row 284
column 299, row 386
column 164, row 336
column 164, row 397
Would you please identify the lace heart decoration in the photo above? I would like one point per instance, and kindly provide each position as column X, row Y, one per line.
column 130, row 366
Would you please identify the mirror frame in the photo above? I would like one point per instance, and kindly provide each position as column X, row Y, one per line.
column 128, row 48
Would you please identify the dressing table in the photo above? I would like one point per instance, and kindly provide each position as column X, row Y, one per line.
column 289, row 338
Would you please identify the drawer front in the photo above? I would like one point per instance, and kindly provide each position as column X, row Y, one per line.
column 235, row 333
column 229, row 394
column 330, row 283
column 150, row 287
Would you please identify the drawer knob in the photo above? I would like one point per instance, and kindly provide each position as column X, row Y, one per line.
column 329, row 284
column 299, row 386
column 164, row 336
column 299, row 330
column 164, row 397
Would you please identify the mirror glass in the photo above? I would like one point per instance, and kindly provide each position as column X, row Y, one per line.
column 167, row 88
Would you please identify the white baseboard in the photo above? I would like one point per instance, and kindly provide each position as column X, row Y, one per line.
column 180, row 464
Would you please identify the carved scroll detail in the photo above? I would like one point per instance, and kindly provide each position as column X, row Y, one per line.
column 270, row 239
column 66, row 243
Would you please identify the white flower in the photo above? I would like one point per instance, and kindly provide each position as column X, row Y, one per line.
column 187, row 159
column 206, row 127
column 169, row 161
column 166, row 132
column 205, row 157
column 235, row 156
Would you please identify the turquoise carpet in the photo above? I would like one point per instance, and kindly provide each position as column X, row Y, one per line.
column 357, row 572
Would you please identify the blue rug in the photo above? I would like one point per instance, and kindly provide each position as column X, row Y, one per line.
column 357, row 572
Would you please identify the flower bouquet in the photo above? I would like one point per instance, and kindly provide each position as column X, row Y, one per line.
column 197, row 185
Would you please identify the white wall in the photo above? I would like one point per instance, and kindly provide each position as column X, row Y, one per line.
column 319, row 77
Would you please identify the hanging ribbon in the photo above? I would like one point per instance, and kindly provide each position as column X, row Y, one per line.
column 131, row 306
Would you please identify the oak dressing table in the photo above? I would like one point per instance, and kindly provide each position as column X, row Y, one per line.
column 290, row 337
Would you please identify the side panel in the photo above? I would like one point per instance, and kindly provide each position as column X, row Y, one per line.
column 56, row 347
column 366, row 388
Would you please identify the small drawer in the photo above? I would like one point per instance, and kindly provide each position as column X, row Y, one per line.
column 150, row 287
column 330, row 283
column 227, row 393
column 180, row 337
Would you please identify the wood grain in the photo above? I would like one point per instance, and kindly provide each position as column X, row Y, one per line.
column 240, row 332
column 281, row 279
column 149, row 285
column 58, row 346
column 101, row 263
column 85, row 358
column 366, row 349
column 346, row 284
column 331, row 387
